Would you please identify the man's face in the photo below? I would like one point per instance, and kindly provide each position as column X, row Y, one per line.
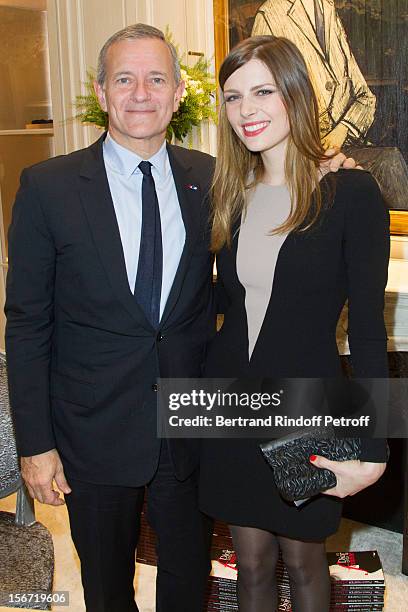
column 139, row 93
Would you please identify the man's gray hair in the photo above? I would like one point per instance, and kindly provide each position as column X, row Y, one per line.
column 135, row 32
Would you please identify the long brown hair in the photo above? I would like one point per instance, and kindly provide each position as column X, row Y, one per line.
column 238, row 169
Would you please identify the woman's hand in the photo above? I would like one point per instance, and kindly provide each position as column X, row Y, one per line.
column 352, row 476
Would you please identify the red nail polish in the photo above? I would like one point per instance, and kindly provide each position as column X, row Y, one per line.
column 312, row 457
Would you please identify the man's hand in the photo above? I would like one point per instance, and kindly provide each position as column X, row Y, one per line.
column 352, row 476
column 39, row 472
column 336, row 160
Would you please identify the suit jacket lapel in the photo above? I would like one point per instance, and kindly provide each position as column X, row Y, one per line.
column 190, row 201
column 99, row 209
column 330, row 26
column 300, row 18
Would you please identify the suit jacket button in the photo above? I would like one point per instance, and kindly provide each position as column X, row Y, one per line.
column 155, row 387
column 329, row 85
column 159, row 337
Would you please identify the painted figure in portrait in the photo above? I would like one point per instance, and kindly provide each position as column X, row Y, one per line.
column 347, row 105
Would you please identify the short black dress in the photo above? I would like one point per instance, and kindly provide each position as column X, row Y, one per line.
column 343, row 256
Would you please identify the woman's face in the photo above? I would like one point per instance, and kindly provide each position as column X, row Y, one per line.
column 255, row 109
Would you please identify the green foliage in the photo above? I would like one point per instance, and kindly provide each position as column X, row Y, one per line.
column 88, row 108
column 197, row 103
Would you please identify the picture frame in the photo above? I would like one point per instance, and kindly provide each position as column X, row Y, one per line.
column 233, row 21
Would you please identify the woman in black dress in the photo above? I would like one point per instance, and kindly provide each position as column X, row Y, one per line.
column 292, row 247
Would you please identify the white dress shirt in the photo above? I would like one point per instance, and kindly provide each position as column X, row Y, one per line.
column 125, row 183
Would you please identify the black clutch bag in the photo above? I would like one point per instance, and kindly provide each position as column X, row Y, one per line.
column 296, row 478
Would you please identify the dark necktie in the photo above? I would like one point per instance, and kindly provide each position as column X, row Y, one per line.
column 319, row 21
column 150, row 265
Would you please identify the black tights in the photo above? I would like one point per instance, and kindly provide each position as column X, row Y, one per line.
column 257, row 553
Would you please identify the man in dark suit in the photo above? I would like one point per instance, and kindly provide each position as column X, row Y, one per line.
column 109, row 287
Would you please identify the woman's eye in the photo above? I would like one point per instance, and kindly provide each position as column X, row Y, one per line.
column 265, row 92
column 231, row 98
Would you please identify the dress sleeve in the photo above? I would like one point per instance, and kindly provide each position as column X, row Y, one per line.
column 366, row 252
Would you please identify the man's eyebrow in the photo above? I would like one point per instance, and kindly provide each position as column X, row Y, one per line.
column 129, row 72
column 122, row 72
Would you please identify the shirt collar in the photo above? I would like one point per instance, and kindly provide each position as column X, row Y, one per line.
column 126, row 162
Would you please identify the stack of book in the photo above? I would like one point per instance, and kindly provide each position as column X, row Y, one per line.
column 357, row 578
column 357, row 582
column 221, row 589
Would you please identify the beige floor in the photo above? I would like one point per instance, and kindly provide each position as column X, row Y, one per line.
column 351, row 536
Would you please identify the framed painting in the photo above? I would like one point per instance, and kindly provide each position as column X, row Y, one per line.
column 356, row 53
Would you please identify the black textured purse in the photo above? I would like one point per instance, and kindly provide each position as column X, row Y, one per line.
column 296, row 478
